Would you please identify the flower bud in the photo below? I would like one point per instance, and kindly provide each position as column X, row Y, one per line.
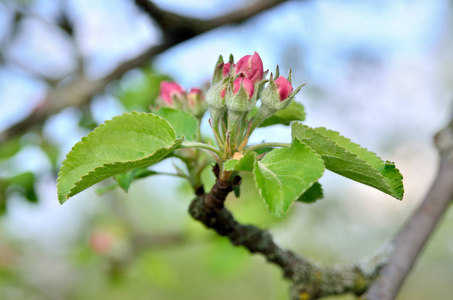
column 227, row 69
column 279, row 93
column 276, row 96
column 101, row 241
column 251, row 67
column 239, row 101
column 194, row 96
column 196, row 102
column 246, row 83
column 284, row 88
column 170, row 92
column 240, row 96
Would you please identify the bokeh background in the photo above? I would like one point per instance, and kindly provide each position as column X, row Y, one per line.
column 379, row 72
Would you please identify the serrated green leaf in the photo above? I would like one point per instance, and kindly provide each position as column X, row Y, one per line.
column 350, row 160
column 130, row 141
column 245, row 163
column 314, row 193
column 285, row 173
column 294, row 112
column 183, row 123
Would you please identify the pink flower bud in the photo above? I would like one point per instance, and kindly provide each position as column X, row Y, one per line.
column 194, row 97
column 226, row 69
column 246, row 83
column 251, row 67
column 101, row 241
column 168, row 90
column 284, row 88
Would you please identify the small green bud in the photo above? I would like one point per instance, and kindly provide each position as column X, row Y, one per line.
column 276, row 96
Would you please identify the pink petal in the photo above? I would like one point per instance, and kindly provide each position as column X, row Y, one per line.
column 284, row 87
column 246, row 83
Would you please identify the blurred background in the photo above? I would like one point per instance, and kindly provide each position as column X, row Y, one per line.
column 379, row 72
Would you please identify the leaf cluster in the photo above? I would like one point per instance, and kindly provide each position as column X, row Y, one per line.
column 127, row 145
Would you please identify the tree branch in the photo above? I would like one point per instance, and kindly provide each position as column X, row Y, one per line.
column 179, row 28
column 410, row 241
column 81, row 89
column 309, row 280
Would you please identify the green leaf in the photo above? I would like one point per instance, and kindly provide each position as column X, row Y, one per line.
column 350, row 160
column 245, row 163
column 285, row 173
column 183, row 123
column 101, row 191
column 26, row 181
column 207, row 178
column 10, row 148
column 87, row 120
column 264, row 150
column 294, row 112
column 314, row 193
column 142, row 173
column 130, row 141
column 140, row 94
column 23, row 183
column 124, row 180
column 52, row 151
column 237, row 191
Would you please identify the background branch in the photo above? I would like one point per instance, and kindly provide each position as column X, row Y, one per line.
column 410, row 241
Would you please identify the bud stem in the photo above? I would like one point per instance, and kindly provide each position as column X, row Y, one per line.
column 264, row 112
column 201, row 146
column 234, row 126
column 216, row 134
column 266, row 145
column 246, row 137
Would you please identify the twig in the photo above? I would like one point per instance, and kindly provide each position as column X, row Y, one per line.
column 410, row 241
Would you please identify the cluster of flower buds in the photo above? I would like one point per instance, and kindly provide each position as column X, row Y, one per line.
column 173, row 95
column 233, row 95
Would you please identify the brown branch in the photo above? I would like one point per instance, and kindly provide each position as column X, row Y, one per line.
column 81, row 89
column 178, row 27
column 309, row 281
column 410, row 241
